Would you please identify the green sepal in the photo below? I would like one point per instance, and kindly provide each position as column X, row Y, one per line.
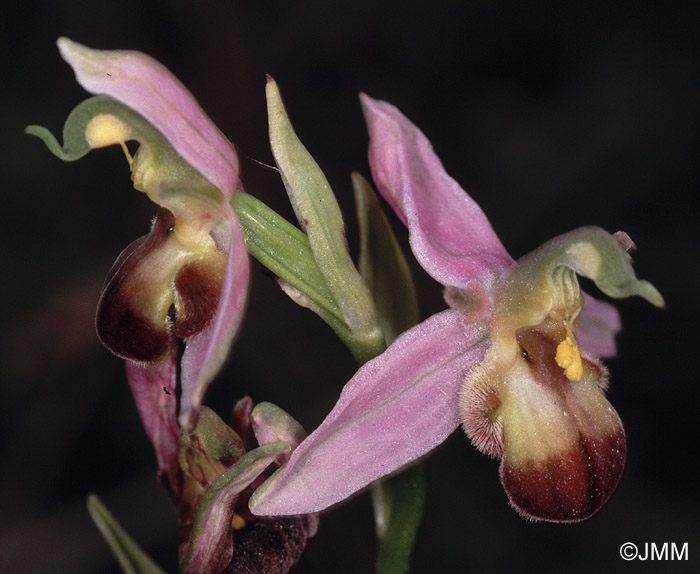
column 320, row 218
column 131, row 558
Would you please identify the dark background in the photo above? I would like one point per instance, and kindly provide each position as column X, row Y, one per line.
column 552, row 115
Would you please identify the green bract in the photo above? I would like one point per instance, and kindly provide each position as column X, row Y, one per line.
column 319, row 216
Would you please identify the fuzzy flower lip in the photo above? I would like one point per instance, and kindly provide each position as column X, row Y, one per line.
column 194, row 260
column 508, row 361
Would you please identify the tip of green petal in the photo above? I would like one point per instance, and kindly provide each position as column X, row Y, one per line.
column 651, row 294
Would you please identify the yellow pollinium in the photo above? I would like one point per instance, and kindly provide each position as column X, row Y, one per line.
column 237, row 522
column 105, row 130
column 569, row 359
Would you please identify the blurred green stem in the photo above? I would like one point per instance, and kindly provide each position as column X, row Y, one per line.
column 398, row 502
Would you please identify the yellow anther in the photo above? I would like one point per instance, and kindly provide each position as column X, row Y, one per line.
column 569, row 359
column 106, row 129
column 237, row 522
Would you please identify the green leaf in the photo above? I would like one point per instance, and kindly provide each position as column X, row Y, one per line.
column 131, row 558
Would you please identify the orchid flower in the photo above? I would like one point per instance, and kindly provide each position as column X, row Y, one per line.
column 186, row 281
column 512, row 360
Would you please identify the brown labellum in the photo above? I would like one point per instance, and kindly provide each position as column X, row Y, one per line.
column 561, row 443
column 197, row 289
column 158, row 288
column 569, row 487
column 122, row 324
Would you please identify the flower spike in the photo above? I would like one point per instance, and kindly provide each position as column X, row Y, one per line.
column 145, row 85
column 177, row 295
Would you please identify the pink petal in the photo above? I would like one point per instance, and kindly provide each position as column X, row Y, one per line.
column 154, row 388
column 599, row 322
column 206, row 351
column 395, row 409
column 148, row 87
column 450, row 235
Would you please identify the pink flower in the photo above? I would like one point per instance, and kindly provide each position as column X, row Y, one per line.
column 186, row 282
column 512, row 360
column 177, row 295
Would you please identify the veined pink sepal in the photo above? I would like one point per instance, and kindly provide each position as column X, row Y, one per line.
column 449, row 233
column 405, row 397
